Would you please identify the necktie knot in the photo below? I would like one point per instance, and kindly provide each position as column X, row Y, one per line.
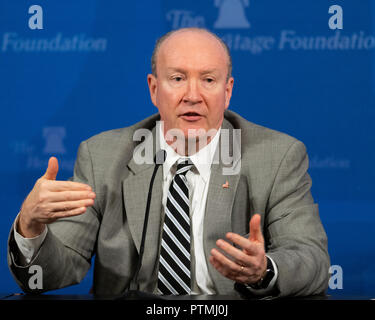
column 184, row 166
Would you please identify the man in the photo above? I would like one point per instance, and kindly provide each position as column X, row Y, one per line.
column 257, row 231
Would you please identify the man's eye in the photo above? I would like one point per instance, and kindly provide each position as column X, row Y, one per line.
column 178, row 79
column 209, row 80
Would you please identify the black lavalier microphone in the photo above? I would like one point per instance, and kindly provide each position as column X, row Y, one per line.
column 159, row 159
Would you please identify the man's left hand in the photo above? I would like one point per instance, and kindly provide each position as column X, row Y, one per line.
column 245, row 266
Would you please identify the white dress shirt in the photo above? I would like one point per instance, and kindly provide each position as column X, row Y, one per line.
column 198, row 181
column 28, row 246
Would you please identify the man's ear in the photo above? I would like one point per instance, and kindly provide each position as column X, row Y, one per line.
column 152, row 85
column 228, row 91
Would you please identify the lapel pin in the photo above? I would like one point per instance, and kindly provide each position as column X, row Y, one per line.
column 226, row 185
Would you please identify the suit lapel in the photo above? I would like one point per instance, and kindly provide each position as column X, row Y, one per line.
column 135, row 192
column 217, row 220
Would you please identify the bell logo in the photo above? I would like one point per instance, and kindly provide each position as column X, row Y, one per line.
column 54, row 140
column 232, row 14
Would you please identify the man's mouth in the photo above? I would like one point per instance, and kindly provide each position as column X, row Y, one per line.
column 191, row 116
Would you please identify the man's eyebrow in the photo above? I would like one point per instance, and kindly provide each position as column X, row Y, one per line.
column 176, row 70
column 207, row 71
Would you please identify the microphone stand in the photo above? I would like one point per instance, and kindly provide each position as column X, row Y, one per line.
column 137, row 294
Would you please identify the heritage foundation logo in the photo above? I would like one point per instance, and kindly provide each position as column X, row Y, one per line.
column 233, row 26
column 54, row 140
column 13, row 42
column 232, row 14
column 50, row 142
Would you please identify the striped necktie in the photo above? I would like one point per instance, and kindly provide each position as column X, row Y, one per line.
column 174, row 261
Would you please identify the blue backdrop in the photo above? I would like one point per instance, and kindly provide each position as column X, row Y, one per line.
column 85, row 72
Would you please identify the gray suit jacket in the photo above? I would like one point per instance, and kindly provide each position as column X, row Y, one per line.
column 273, row 181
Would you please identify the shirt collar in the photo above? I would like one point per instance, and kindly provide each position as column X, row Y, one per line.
column 202, row 160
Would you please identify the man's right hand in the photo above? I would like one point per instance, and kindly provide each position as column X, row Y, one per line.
column 50, row 200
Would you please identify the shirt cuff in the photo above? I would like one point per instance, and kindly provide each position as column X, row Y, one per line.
column 271, row 285
column 28, row 247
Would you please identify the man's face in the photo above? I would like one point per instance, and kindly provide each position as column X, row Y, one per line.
column 191, row 89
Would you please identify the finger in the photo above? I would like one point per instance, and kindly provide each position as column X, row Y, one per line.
column 70, row 195
column 220, row 267
column 69, row 213
column 68, row 186
column 242, row 277
column 255, row 229
column 251, row 248
column 70, row 205
column 52, row 169
column 228, row 266
column 238, row 255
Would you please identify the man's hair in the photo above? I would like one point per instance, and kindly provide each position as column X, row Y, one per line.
column 160, row 41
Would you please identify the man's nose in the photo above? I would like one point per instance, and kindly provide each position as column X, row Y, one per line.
column 192, row 94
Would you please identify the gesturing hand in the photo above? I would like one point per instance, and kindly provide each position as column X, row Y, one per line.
column 50, row 200
column 244, row 266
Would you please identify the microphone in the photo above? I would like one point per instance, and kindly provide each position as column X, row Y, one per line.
column 159, row 159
